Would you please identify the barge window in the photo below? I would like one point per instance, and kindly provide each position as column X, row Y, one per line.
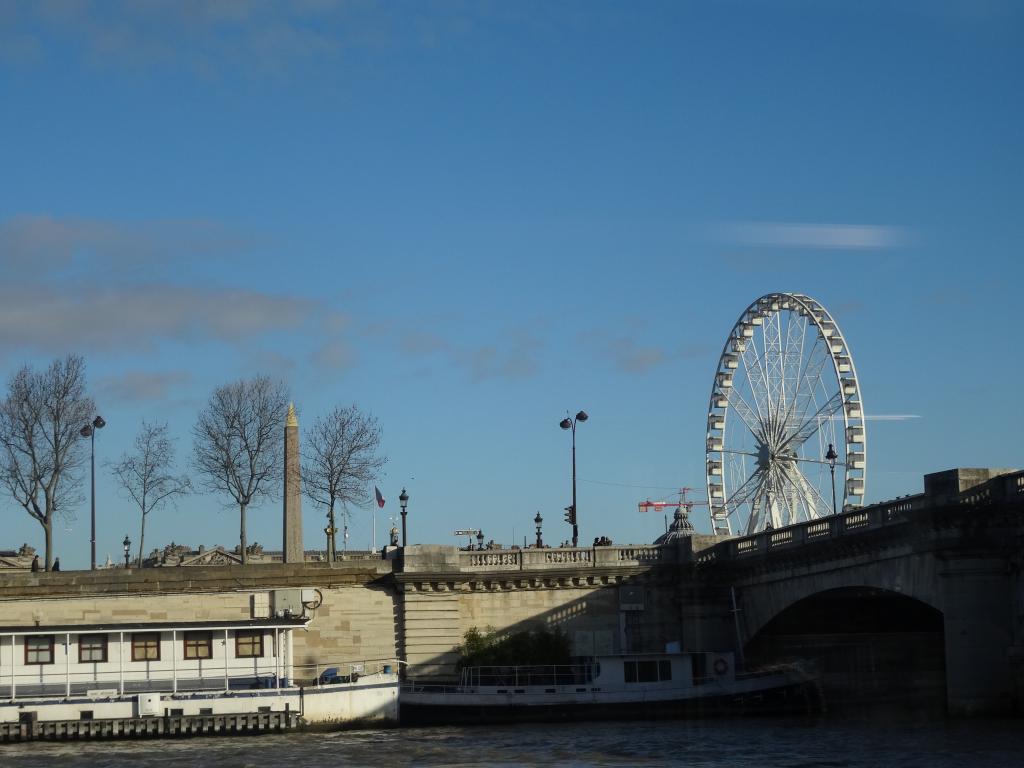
column 647, row 671
column 39, row 649
column 664, row 669
column 146, row 646
column 198, row 645
column 249, row 644
column 92, row 648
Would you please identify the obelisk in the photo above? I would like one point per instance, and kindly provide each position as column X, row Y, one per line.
column 293, row 551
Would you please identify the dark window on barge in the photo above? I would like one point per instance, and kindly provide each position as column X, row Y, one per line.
column 39, row 649
column 249, row 644
column 198, row 645
column 146, row 646
column 645, row 671
column 92, row 648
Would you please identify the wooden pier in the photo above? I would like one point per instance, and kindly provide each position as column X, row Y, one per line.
column 148, row 727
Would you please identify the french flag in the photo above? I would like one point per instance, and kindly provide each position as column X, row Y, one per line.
column 380, row 498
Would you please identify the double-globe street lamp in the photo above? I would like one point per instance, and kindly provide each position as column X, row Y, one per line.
column 403, row 501
column 89, row 430
column 831, row 457
column 570, row 513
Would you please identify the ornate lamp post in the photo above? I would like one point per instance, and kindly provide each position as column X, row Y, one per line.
column 331, row 531
column 403, row 500
column 480, row 540
column 538, row 520
column 570, row 513
column 831, row 457
column 127, row 544
column 89, row 430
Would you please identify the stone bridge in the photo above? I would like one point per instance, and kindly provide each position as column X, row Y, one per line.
column 923, row 590
column 921, row 596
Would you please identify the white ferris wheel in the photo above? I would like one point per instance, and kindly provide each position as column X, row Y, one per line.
column 786, row 437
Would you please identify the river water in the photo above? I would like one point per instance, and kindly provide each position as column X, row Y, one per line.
column 765, row 743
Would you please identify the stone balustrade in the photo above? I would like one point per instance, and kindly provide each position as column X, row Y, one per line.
column 858, row 521
column 559, row 557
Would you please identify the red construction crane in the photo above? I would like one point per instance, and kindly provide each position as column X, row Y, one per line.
column 658, row 506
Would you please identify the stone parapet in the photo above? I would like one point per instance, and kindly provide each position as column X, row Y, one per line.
column 16, row 585
column 435, row 559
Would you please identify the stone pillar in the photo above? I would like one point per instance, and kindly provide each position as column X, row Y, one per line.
column 977, row 613
column 292, row 543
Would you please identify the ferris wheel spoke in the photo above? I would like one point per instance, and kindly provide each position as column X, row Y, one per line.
column 812, row 494
column 745, row 412
column 752, row 362
column 742, row 495
column 798, row 354
column 813, row 424
column 807, row 383
column 739, row 453
column 773, row 365
column 803, row 460
column 756, row 509
column 789, row 494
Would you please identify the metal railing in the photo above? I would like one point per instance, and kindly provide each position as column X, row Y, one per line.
column 525, row 676
column 87, row 685
column 333, row 673
column 24, row 684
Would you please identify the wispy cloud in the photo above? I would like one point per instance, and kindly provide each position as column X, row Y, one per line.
column 70, row 285
column 68, row 247
column 136, row 317
column 628, row 353
column 514, row 353
column 137, row 386
column 334, row 354
column 209, row 38
column 816, row 236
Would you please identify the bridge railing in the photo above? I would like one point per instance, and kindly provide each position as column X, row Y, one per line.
column 543, row 558
column 851, row 522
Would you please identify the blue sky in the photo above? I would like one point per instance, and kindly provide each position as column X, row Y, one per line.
column 468, row 218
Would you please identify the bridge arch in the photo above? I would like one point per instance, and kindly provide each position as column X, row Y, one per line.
column 761, row 600
column 866, row 645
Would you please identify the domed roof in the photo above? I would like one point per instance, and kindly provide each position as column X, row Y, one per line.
column 681, row 528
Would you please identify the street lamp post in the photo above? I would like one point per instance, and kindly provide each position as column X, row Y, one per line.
column 570, row 514
column 480, row 540
column 538, row 520
column 403, row 500
column 127, row 544
column 331, row 531
column 89, row 430
column 831, row 457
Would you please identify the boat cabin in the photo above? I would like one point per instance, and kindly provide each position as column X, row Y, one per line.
column 116, row 659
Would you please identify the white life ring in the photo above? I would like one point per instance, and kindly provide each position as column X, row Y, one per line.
column 720, row 667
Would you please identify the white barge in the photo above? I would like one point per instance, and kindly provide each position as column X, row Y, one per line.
column 165, row 679
column 625, row 686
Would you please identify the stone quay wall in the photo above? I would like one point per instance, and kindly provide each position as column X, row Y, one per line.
column 414, row 607
column 356, row 620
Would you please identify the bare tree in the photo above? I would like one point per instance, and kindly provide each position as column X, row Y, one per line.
column 238, row 448
column 40, row 421
column 146, row 474
column 340, row 461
